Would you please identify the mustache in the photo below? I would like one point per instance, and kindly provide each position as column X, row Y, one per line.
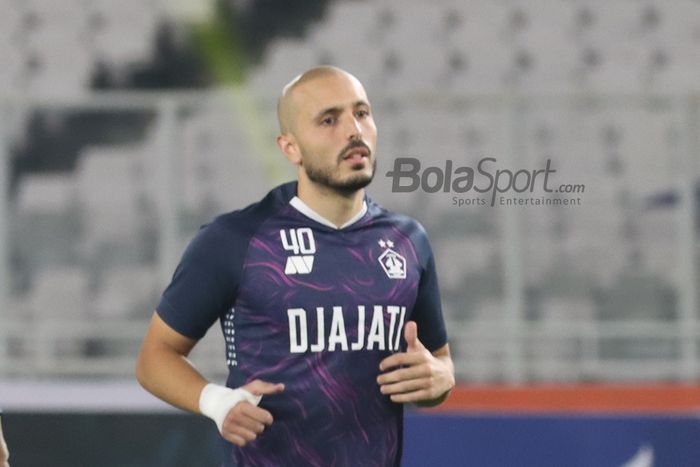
column 354, row 145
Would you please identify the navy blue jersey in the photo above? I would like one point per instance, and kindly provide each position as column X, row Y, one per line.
column 315, row 307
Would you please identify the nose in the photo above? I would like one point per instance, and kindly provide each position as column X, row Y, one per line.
column 354, row 129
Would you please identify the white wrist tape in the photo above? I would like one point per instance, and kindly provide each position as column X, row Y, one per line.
column 215, row 401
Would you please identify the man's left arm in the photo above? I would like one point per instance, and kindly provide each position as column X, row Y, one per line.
column 417, row 375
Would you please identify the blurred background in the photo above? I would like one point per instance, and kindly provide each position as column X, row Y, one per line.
column 125, row 125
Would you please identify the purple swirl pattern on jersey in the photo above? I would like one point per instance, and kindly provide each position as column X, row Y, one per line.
column 331, row 412
column 314, row 308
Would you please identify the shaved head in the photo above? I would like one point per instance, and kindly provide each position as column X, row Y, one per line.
column 327, row 130
column 286, row 105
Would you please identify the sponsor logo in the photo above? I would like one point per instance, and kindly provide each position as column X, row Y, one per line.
column 384, row 330
column 300, row 242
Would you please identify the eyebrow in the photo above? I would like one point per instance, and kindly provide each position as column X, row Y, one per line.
column 337, row 109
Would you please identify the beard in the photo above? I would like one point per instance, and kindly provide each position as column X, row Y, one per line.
column 328, row 178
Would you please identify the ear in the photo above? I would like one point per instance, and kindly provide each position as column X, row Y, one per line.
column 289, row 148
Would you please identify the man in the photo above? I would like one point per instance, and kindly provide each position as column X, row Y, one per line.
column 4, row 453
column 314, row 286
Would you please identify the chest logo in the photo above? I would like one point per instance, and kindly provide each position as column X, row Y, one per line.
column 299, row 242
column 393, row 263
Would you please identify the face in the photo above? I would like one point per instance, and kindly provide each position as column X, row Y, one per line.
column 334, row 133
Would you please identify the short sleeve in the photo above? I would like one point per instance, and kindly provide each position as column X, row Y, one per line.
column 204, row 284
column 427, row 312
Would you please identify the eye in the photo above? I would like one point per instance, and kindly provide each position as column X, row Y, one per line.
column 328, row 121
column 362, row 113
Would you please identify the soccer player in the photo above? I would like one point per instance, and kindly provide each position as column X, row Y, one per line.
column 328, row 303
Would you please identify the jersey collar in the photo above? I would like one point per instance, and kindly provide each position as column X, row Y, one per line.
column 303, row 208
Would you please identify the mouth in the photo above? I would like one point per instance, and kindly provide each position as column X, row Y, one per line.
column 356, row 155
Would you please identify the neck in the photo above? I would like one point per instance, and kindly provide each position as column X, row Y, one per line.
column 335, row 206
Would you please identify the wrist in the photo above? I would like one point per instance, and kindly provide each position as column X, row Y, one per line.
column 216, row 401
column 439, row 399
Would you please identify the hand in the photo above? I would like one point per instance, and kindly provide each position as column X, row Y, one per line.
column 423, row 378
column 245, row 421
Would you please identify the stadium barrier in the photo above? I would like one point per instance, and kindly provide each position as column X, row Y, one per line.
column 547, row 425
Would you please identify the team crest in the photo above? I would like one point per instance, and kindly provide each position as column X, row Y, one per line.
column 393, row 263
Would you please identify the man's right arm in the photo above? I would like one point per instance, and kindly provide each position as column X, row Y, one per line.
column 163, row 370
